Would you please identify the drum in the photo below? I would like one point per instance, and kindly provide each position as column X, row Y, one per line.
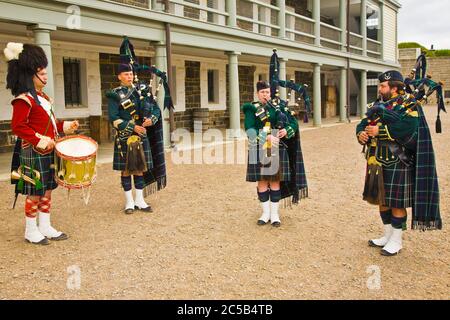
column 75, row 161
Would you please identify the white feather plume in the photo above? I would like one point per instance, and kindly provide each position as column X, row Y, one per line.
column 13, row 50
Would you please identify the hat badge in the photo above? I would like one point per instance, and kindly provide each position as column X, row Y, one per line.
column 387, row 76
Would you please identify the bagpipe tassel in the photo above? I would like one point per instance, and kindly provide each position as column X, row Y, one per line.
column 438, row 125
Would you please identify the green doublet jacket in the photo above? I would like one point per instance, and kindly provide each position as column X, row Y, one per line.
column 127, row 107
column 400, row 129
column 253, row 123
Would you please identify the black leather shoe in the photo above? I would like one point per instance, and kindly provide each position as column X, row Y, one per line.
column 148, row 209
column 261, row 222
column 129, row 211
column 43, row 242
column 61, row 237
column 276, row 224
column 388, row 254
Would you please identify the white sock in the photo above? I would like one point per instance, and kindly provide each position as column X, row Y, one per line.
column 45, row 227
column 129, row 200
column 32, row 232
column 266, row 211
column 274, row 215
column 394, row 244
column 140, row 201
column 385, row 238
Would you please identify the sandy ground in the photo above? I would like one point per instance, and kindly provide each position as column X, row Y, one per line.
column 202, row 241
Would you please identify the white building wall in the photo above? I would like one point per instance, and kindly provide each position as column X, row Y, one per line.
column 180, row 96
column 390, row 34
column 89, row 78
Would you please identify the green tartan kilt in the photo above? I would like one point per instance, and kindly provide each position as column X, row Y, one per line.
column 119, row 161
column 42, row 163
column 274, row 168
column 398, row 185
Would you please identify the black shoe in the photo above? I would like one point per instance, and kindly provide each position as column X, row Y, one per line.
column 129, row 211
column 61, row 237
column 261, row 222
column 372, row 244
column 148, row 209
column 276, row 224
column 43, row 242
column 388, row 254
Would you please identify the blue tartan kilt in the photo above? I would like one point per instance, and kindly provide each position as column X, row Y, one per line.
column 42, row 163
column 399, row 185
column 120, row 155
column 263, row 168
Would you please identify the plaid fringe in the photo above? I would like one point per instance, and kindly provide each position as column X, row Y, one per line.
column 427, row 225
column 286, row 203
column 155, row 186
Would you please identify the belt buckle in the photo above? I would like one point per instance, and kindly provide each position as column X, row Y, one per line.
column 127, row 104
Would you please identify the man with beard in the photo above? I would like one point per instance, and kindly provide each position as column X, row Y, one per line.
column 395, row 132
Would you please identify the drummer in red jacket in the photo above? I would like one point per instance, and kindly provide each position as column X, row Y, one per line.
column 36, row 127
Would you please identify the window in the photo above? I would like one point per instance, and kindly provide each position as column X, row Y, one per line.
column 213, row 86
column 447, row 94
column 72, row 86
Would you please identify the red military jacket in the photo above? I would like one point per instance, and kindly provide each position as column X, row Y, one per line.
column 30, row 120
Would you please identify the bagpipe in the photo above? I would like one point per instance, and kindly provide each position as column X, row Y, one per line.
column 296, row 188
column 418, row 86
column 128, row 56
column 155, row 178
column 276, row 82
column 418, row 81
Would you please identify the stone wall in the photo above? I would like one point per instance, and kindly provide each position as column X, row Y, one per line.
column 192, row 95
column 437, row 67
column 7, row 139
column 217, row 118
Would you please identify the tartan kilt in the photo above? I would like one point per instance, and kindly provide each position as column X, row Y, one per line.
column 119, row 161
column 42, row 163
column 258, row 169
column 399, row 185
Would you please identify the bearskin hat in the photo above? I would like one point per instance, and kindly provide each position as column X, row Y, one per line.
column 24, row 61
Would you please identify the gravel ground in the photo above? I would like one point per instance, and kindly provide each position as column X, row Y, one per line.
column 202, row 241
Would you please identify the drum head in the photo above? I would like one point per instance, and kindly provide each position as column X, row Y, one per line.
column 76, row 147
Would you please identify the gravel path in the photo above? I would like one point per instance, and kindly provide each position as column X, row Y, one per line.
column 202, row 241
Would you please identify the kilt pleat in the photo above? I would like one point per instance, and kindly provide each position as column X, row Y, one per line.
column 398, row 185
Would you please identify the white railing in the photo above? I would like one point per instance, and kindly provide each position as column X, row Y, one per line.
column 261, row 17
column 299, row 28
column 373, row 48
column 330, row 36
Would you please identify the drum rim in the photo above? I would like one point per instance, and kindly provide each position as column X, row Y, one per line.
column 64, row 156
column 77, row 185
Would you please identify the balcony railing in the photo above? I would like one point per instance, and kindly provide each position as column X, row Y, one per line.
column 373, row 48
column 330, row 36
column 262, row 17
column 299, row 28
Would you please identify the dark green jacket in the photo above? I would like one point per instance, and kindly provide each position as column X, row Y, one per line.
column 398, row 129
column 127, row 108
column 252, row 121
